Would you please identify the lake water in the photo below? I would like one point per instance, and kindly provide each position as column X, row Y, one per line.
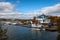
column 23, row 33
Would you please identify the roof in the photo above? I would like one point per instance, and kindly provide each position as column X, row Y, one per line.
column 42, row 16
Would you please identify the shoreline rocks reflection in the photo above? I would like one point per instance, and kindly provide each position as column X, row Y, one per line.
column 3, row 35
column 58, row 37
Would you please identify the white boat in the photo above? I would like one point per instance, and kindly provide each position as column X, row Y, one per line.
column 13, row 23
column 37, row 26
column 7, row 22
column 35, row 29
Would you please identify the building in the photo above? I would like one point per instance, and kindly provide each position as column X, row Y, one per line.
column 43, row 19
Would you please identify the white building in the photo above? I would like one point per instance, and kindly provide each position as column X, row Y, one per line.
column 43, row 19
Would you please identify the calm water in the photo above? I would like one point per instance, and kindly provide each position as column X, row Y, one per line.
column 24, row 33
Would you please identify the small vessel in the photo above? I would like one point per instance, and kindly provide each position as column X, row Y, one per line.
column 35, row 29
column 8, row 23
column 13, row 23
column 38, row 26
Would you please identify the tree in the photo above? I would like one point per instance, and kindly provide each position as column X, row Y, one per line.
column 58, row 24
column 53, row 18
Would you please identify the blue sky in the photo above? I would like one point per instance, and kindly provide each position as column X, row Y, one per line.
column 28, row 8
column 31, row 5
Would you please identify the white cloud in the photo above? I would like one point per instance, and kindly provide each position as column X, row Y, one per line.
column 6, row 7
column 7, row 10
column 52, row 10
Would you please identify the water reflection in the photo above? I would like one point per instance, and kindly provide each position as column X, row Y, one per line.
column 13, row 32
column 3, row 35
column 58, row 37
column 23, row 33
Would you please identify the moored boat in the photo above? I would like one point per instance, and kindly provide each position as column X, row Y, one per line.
column 39, row 26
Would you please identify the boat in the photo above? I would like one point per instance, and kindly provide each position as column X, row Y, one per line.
column 38, row 26
column 13, row 23
column 35, row 29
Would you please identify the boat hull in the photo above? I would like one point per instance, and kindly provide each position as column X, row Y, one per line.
column 38, row 26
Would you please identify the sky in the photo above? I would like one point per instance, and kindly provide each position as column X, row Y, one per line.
column 28, row 8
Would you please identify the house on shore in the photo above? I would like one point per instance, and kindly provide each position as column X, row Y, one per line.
column 42, row 19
